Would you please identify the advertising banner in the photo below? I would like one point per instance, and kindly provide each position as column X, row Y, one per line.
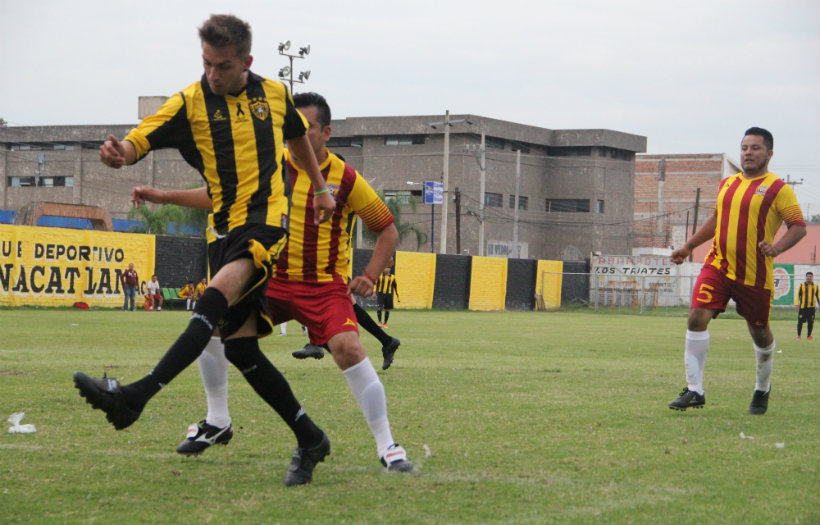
column 58, row 267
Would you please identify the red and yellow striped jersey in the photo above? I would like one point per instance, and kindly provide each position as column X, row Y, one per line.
column 236, row 142
column 750, row 211
column 322, row 253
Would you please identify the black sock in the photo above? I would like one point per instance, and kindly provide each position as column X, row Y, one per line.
column 379, row 314
column 386, row 316
column 367, row 322
column 271, row 385
column 209, row 310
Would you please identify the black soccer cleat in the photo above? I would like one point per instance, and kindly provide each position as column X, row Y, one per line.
column 304, row 461
column 389, row 351
column 760, row 402
column 396, row 459
column 309, row 350
column 201, row 436
column 688, row 399
column 105, row 394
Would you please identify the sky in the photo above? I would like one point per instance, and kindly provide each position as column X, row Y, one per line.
column 690, row 76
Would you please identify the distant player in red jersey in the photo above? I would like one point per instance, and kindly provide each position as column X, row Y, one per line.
column 750, row 208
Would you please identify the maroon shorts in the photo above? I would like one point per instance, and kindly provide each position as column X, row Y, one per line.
column 325, row 308
column 713, row 290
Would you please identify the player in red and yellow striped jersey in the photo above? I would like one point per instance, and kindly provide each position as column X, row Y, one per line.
column 750, row 208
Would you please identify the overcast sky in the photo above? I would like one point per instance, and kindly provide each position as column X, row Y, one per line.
column 690, row 76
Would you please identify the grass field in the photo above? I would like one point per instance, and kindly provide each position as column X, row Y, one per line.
column 510, row 418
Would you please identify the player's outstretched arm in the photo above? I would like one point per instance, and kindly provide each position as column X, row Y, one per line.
column 704, row 233
column 115, row 153
column 192, row 198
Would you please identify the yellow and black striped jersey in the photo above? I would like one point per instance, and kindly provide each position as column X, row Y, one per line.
column 236, row 142
column 387, row 285
column 807, row 295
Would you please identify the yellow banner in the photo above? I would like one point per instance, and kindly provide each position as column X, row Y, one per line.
column 58, row 267
column 416, row 279
column 548, row 283
column 488, row 283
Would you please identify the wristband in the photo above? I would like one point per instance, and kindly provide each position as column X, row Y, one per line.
column 372, row 280
column 321, row 191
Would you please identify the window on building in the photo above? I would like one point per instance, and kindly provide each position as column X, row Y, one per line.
column 567, row 205
column 493, row 200
column 403, row 140
column 57, row 181
column 495, row 142
column 519, row 147
column 402, row 196
column 522, row 202
column 20, row 182
column 600, row 207
column 570, row 151
column 344, row 142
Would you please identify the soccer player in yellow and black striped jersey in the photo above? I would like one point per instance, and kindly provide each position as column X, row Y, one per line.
column 385, row 289
column 750, row 208
column 311, row 281
column 230, row 126
column 807, row 298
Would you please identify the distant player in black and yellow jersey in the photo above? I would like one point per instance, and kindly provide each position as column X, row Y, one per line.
column 385, row 288
column 230, row 126
column 807, row 298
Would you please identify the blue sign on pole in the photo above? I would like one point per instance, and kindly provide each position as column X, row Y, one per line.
column 433, row 192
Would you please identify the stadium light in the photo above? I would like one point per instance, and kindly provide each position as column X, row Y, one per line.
column 287, row 72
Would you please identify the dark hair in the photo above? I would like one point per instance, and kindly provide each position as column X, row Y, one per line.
column 809, row 273
column 768, row 139
column 306, row 100
column 227, row 30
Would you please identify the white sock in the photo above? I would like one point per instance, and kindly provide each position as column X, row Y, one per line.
column 694, row 357
column 213, row 367
column 283, row 328
column 368, row 391
column 765, row 363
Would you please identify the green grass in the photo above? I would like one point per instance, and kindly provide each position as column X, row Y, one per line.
column 528, row 418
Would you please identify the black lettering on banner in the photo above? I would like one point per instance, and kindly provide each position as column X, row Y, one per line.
column 119, row 255
column 71, row 274
column 19, row 249
column 36, row 288
column 21, row 285
column 5, row 275
column 39, row 250
column 5, row 249
column 89, row 270
column 85, row 253
column 105, row 282
column 118, row 280
column 60, row 251
column 71, row 253
column 55, row 281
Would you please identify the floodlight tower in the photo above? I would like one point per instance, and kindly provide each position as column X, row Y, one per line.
column 286, row 73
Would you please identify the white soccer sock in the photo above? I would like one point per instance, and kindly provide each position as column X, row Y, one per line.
column 694, row 357
column 283, row 328
column 765, row 363
column 368, row 391
column 213, row 367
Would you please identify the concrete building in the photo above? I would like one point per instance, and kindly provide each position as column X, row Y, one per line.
column 667, row 203
column 575, row 187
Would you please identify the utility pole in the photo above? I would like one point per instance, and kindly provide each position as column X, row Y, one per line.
column 445, row 178
column 457, row 199
column 516, row 251
column 695, row 221
column 482, row 197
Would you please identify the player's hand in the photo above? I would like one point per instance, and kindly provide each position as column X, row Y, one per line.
column 326, row 204
column 768, row 249
column 112, row 153
column 680, row 255
column 143, row 194
column 361, row 286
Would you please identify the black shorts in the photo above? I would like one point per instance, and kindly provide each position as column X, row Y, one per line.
column 806, row 314
column 384, row 300
column 262, row 244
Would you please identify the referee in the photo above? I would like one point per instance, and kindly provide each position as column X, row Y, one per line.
column 806, row 303
column 385, row 287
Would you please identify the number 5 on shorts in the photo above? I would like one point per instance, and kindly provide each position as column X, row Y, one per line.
column 705, row 293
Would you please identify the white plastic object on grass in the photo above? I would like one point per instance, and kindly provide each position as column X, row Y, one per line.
column 744, row 436
column 17, row 428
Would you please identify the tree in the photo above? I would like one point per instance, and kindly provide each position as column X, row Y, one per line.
column 394, row 205
column 3, row 122
column 815, row 219
column 155, row 221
